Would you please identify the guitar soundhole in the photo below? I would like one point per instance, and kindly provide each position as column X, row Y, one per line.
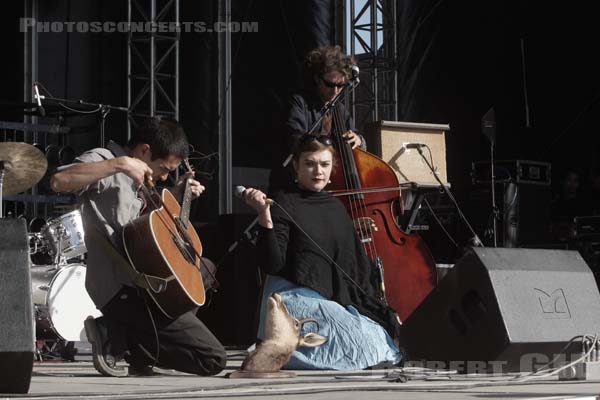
column 185, row 249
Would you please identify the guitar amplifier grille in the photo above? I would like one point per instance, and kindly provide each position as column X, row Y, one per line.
column 387, row 139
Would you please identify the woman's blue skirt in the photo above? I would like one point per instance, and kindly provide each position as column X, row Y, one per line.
column 354, row 341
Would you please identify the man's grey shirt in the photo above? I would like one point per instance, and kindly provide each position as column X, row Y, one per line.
column 106, row 206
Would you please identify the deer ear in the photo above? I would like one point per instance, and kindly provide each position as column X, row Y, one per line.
column 312, row 340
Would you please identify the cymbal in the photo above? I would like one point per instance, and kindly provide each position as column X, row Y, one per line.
column 23, row 164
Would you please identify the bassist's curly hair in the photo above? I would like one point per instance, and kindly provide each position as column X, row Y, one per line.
column 325, row 59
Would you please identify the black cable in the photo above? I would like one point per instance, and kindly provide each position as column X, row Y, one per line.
column 434, row 215
column 377, row 300
column 157, row 353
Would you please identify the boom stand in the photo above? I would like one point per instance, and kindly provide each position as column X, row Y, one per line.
column 475, row 239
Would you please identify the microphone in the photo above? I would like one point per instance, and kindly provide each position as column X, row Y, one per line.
column 239, row 193
column 39, row 100
column 355, row 71
column 414, row 145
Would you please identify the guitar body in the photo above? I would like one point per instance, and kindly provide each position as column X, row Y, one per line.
column 153, row 246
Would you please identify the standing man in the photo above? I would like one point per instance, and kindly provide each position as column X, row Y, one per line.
column 107, row 182
column 326, row 71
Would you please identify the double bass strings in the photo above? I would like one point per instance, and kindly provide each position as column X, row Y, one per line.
column 352, row 181
column 329, row 258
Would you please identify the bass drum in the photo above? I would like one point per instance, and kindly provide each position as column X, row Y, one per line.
column 61, row 302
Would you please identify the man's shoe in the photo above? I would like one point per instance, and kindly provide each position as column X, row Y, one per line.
column 104, row 363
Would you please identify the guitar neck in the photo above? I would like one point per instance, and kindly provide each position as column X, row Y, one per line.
column 184, row 215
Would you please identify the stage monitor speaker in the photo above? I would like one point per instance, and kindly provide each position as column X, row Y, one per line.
column 498, row 308
column 388, row 140
column 17, row 340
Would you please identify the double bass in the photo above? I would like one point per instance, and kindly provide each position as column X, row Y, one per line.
column 367, row 185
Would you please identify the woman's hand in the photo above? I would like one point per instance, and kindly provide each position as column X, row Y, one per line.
column 258, row 201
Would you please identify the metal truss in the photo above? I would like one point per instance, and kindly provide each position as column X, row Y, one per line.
column 373, row 37
column 152, row 60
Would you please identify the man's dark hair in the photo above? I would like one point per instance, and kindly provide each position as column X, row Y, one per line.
column 164, row 136
column 325, row 59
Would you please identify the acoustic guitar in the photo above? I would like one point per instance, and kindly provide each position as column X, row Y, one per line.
column 163, row 243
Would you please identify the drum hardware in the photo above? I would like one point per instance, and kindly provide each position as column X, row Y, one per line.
column 36, row 243
column 63, row 237
column 66, row 155
column 36, row 224
column 60, row 238
column 61, row 234
column 55, row 350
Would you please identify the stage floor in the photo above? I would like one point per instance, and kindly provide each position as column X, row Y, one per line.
column 64, row 380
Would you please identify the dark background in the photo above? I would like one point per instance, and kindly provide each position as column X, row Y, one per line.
column 456, row 60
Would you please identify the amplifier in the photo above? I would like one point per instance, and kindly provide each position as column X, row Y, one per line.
column 587, row 227
column 515, row 171
column 388, row 140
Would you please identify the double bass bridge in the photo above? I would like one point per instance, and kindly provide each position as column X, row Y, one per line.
column 365, row 226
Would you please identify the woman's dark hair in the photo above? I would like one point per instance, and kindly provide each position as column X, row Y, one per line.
column 325, row 59
column 164, row 136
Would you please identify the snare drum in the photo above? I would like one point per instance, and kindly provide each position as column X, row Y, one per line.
column 64, row 235
column 61, row 302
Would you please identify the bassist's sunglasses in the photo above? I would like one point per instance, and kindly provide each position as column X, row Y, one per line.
column 323, row 139
column 332, row 85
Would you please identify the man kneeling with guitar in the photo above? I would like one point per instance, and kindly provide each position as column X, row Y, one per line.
column 109, row 183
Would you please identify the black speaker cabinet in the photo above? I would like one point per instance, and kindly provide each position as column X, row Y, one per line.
column 500, row 308
column 231, row 314
column 16, row 312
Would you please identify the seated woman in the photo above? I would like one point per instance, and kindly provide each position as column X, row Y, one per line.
column 308, row 247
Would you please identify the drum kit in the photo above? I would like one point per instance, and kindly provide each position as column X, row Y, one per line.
column 60, row 300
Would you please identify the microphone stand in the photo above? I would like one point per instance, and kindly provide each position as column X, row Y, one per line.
column 352, row 84
column 102, row 109
column 495, row 211
column 245, row 236
column 475, row 239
